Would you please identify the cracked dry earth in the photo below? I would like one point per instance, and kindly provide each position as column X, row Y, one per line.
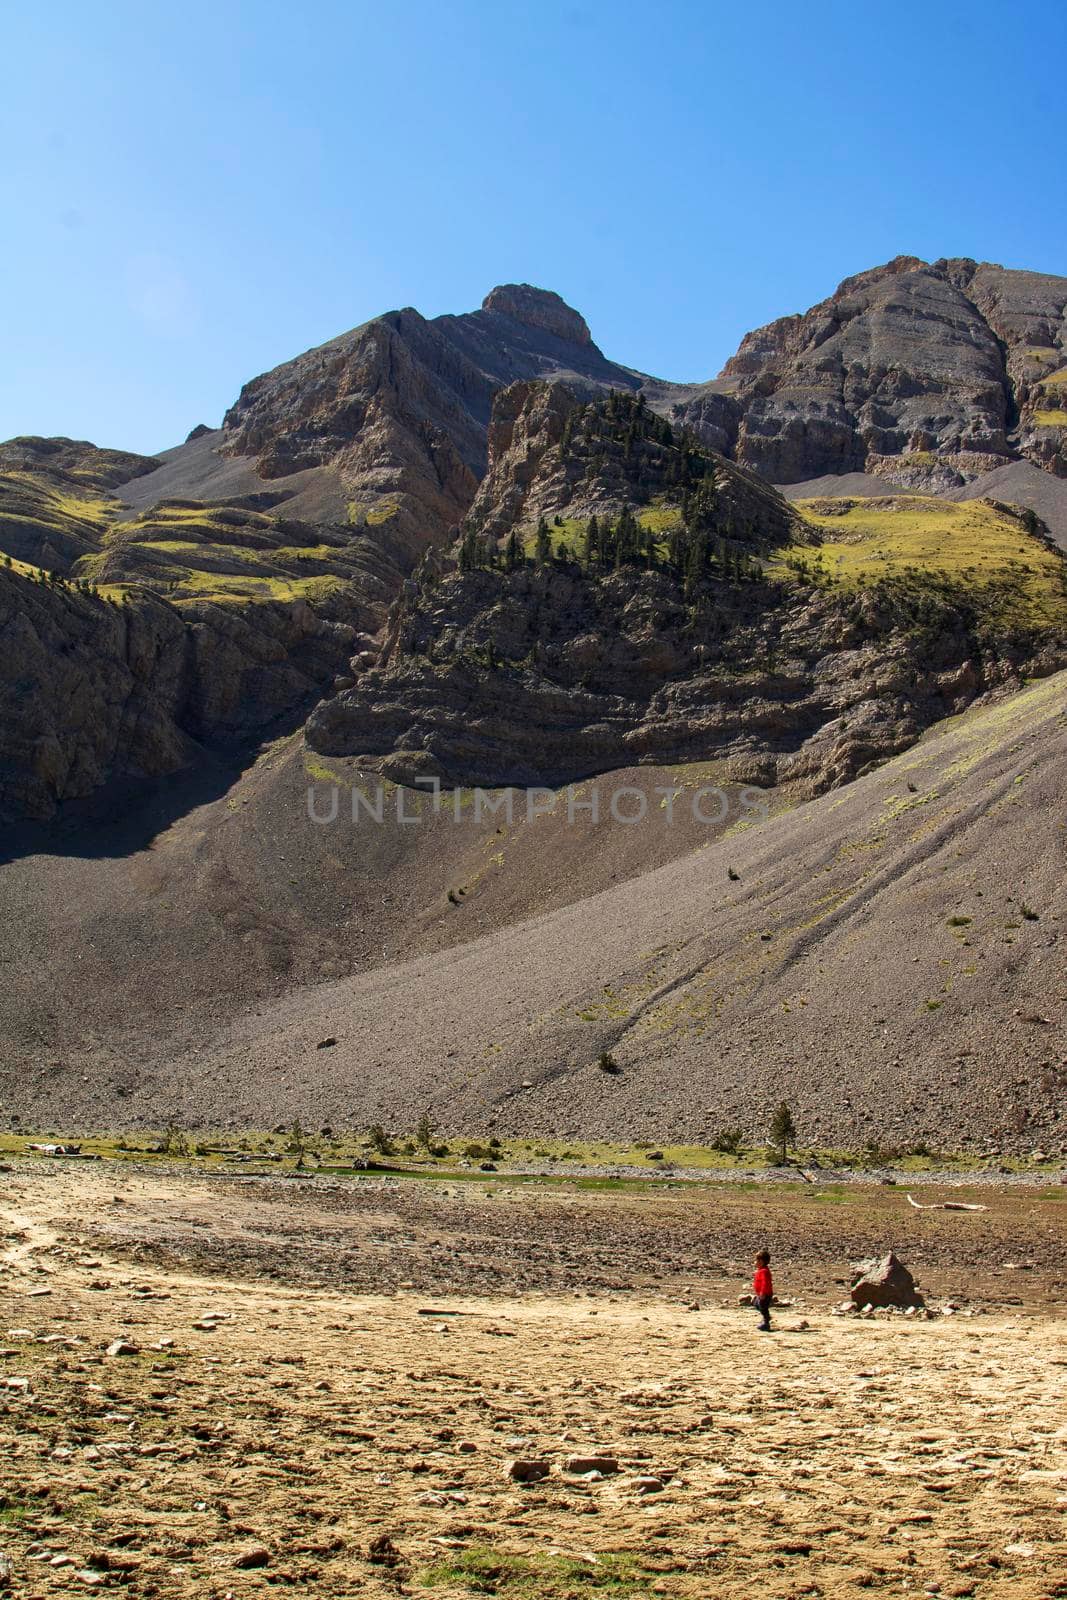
column 295, row 1436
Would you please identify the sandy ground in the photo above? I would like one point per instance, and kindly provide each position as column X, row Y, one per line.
column 277, row 1448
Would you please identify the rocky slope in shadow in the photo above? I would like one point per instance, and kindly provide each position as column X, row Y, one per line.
column 94, row 692
column 125, row 644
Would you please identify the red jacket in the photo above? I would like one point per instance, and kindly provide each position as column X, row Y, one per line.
column 762, row 1283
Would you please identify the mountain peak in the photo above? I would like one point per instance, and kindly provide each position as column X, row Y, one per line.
column 539, row 308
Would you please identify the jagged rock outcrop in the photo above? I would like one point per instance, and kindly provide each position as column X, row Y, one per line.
column 714, row 417
column 546, row 460
column 401, row 405
column 539, row 308
column 926, row 374
column 550, row 673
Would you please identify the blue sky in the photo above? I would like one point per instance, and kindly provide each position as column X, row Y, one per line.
column 194, row 193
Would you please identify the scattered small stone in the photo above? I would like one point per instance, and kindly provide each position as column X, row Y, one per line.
column 326, row 1044
column 527, row 1471
column 649, row 1484
column 256, row 1555
column 383, row 1552
column 123, row 1347
column 583, row 1464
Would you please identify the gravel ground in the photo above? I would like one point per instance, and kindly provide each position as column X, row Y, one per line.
column 186, row 1415
column 887, row 959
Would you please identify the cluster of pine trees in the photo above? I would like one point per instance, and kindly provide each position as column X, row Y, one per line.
column 691, row 551
column 657, row 459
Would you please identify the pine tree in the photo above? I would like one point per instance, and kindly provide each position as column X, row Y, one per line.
column 783, row 1131
column 592, row 542
column 468, row 551
column 512, row 552
column 543, row 547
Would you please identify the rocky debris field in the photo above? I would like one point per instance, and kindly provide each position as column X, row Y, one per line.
column 185, row 1416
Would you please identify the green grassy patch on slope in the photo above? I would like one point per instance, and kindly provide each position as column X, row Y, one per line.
column 1014, row 576
column 660, row 519
column 28, row 501
column 569, row 531
column 481, row 1569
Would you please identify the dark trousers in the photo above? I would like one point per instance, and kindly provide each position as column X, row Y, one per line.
column 763, row 1306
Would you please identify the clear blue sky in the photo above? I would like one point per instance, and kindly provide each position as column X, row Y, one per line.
column 193, row 193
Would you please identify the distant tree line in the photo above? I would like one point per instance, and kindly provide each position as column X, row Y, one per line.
column 55, row 580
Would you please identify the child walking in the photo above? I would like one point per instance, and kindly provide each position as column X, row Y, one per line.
column 763, row 1290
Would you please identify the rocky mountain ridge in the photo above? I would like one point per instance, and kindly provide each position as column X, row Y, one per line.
column 335, row 473
column 715, row 633
column 926, row 374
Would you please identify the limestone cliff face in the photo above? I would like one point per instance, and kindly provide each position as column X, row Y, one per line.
column 926, row 374
column 540, row 309
column 549, row 676
column 91, row 691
